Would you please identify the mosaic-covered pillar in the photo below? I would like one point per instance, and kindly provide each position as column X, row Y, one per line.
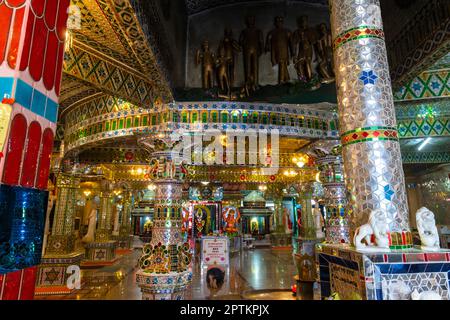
column 124, row 236
column 304, row 253
column 62, row 239
column 370, row 145
column 125, row 221
column 307, row 225
column 102, row 251
column 32, row 36
column 104, row 225
column 334, row 199
column 164, row 265
column 61, row 251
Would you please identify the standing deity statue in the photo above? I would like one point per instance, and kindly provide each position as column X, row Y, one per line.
column 222, row 71
column 325, row 54
column 206, row 58
column 252, row 43
column 279, row 43
column 90, row 235
column 230, row 48
column 303, row 42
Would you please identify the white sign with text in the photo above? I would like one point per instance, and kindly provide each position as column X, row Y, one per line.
column 215, row 251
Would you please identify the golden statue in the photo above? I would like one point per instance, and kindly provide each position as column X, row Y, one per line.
column 222, row 70
column 279, row 43
column 206, row 58
column 252, row 42
column 230, row 48
column 325, row 54
column 303, row 46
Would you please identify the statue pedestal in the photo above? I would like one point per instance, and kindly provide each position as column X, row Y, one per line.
column 52, row 273
column 390, row 275
column 100, row 254
column 163, row 286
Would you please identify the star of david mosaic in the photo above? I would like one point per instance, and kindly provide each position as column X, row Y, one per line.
column 100, row 255
column 51, row 276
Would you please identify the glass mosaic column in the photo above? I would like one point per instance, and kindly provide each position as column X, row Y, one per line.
column 164, row 265
column 62, row 240
column 308, row 228
column 371, row 149
column 104, row 229
column 334, row 199
column 32, row 36
column 125, row 223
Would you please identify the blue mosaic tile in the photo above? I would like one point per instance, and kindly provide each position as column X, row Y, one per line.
column 324, row 274
column 379, row 294
column 434, row 267
column 24, row 94
column 6, row 85
column 22, row 218
column 325, row 288
column 417, row 267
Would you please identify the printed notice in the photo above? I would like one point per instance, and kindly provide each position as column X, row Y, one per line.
column 215, row 251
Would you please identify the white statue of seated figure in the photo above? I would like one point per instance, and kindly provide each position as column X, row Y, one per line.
column 426, row 225
column 378, row 228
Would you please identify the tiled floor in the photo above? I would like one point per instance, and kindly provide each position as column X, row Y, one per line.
column 259, row 269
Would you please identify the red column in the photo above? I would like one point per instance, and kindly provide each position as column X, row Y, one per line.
column 32, row 36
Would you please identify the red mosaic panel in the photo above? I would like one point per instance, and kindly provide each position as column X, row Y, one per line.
column 28, row 283
column 31, row 156
column 14, row 150
column 44, row 162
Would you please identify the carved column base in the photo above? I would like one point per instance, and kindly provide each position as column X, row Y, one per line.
column 52, row 273
column 167, row 286
column 395, row 275
column 100, row 254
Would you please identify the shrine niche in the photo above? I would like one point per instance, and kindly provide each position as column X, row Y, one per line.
column 275, row 48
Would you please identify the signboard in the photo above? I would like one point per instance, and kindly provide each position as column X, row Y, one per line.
column 346, row 282
column 215, row 251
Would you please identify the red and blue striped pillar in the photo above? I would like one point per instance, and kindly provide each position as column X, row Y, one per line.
column 32, row 38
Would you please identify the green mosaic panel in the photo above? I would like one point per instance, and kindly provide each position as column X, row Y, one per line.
column 434, row 84
column 425, row 157
column 424, row 127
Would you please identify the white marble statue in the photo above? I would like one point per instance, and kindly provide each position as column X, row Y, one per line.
column 426, row 225
column 377, row 227
column 397, row 290
column 425, row 295
column 90, row 235
column 319, row 223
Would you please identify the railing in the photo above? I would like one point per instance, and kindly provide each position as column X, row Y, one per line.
column 290, row 120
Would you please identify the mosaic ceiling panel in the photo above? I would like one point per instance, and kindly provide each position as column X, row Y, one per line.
column 443, row 63
column 111, row 54
column 95, row 26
